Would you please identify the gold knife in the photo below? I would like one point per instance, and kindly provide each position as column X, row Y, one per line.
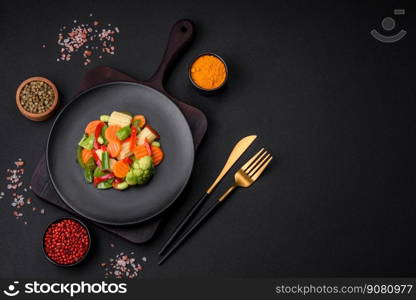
column 238, row 150
column 235, row 154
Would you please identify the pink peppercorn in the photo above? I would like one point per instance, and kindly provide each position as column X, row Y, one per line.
column 66, row 242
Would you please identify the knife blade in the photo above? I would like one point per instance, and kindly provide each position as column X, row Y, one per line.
column 235, row 154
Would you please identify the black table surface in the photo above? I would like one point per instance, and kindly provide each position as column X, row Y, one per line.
column 336, row 105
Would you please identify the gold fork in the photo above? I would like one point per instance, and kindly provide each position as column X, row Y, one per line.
column 244, row 177
column 249, row 172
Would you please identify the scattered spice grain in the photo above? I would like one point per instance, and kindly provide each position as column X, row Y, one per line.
column 87, row 38
column 122, row 265
column 18, row 192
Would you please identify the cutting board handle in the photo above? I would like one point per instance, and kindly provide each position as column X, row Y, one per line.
column 180, row 37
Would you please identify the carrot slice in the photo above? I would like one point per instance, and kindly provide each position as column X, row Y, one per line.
column 114, row 148
column 86, row 155
column 140, row 151
column 120, row 169
column 142, row 120
column 111, row 133
column 157, row 155
column 90, row 129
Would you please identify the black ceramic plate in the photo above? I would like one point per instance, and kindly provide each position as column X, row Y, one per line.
column 138, row 203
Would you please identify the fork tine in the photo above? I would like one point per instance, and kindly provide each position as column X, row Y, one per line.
column 258, row 165
column 256, row 162
column 258, row 173
column 247, row 164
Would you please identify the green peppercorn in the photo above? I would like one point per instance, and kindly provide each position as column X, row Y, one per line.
column 37, row 97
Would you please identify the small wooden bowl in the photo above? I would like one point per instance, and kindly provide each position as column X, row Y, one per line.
column 42, row 116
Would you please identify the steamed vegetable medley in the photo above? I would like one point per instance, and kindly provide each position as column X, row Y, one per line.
column 118, row 151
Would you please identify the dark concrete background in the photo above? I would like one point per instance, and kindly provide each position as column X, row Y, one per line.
column 306, row 76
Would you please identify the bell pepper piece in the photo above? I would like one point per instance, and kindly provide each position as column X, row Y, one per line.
column 106, row 177
column 87, row 142
column 97, row 159
column 123, row 133
column 128, row 160
column 133, row 138
column 98, row 172
column 88, row 175
column 90, row 164
column 97, row 134
column 118, row 180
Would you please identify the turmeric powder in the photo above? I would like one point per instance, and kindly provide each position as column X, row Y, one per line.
column 208, row 72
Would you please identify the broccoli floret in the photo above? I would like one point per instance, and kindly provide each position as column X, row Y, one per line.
column 131, row 179
column 142, row 171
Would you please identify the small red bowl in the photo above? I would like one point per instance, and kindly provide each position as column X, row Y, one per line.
column 86, row 252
